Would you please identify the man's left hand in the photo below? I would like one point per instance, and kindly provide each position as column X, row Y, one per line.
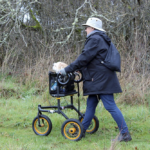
column 62, row 71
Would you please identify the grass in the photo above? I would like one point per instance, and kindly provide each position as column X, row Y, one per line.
column 20, row 107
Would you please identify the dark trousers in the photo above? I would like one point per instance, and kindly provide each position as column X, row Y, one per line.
column 110, row 106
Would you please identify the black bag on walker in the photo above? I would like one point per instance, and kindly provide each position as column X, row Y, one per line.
column 55, row 81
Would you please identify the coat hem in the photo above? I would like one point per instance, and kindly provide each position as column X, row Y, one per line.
column 96, row 93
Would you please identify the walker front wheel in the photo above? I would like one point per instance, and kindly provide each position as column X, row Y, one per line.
column 94, row 125
column 42, row 125
column 72, row 129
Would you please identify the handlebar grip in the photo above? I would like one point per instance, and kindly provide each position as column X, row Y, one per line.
column 80, row 77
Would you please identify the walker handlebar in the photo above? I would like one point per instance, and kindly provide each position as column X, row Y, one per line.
column 64, row 79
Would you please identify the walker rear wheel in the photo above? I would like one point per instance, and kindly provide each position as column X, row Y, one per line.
column 72, row 129
column 94, row 125
column 42, row 127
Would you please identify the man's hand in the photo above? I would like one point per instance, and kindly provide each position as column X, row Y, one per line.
column 62, row 71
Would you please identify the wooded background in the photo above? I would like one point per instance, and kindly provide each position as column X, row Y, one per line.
column 35, row 33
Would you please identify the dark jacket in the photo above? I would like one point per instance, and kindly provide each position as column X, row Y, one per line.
column 97, row 79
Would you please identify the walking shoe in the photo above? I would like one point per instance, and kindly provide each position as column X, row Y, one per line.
column 123, row 137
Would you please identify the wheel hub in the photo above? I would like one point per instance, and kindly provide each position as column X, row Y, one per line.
column 72, row 130
column 42, row 125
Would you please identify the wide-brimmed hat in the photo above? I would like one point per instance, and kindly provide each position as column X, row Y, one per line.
column 95, row 23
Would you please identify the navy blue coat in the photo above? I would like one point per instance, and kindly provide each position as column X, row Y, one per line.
column 97, row 79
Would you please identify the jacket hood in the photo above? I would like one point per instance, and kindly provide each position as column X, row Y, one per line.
column 101, row 33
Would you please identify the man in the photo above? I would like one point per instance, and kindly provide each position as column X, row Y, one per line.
column 98, row 81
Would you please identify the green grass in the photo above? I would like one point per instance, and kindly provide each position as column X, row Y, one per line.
column 18, row 111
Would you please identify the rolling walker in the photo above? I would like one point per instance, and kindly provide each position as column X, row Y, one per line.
column 72, row 129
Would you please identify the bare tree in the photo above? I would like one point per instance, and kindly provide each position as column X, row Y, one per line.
column 36, row 33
